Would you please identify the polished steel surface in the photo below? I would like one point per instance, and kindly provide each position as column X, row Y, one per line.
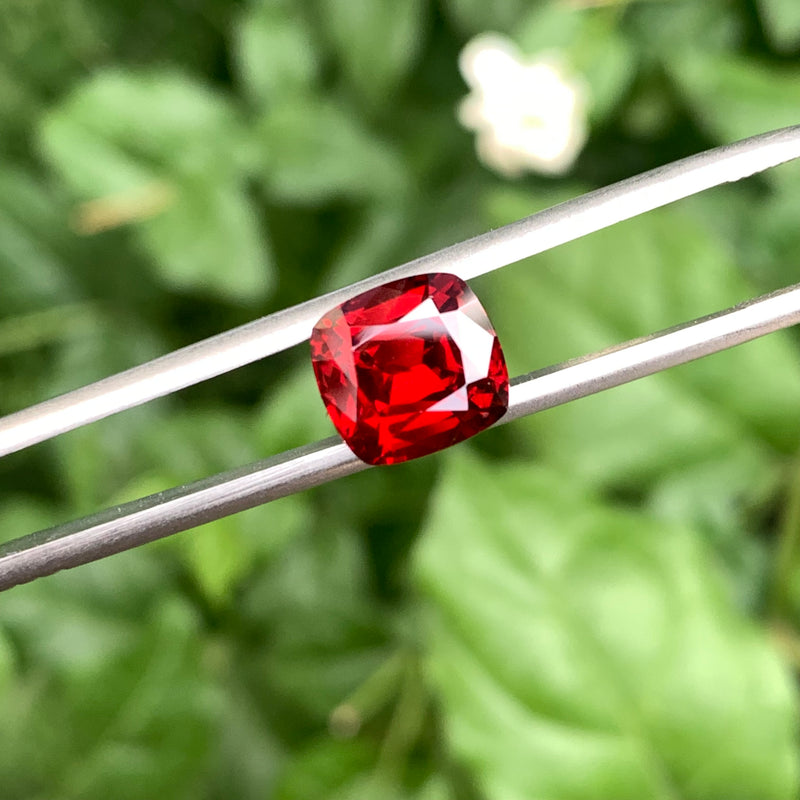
column 641, row 357
column 126, row 526
column 156, row 516
column 482, row 254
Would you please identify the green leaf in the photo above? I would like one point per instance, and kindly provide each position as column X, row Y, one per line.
column 581, row 651
column 222, row 554
column 33, row 267
column 8, row 665
column 218, row 558
column 667, row 31
column 632, row 279
column 45, row 45
column 704, row 495
column 736, row 97
column 771, row 228
column 317, row 151
column 114, row 700
column 161, row 151
column 139, row 124
column 157, row 736
column 275, row 53
column 376, row 41
column 550, row 26
column 326, row 632
column 31, row 275
column 24, row 332
column 436, row 789
column 103, row 609
column 249, row 756
column 607, row 62
column 782, row 22
column 478, row 16
column 324, row 769
column 211, row 239
column 381, row 236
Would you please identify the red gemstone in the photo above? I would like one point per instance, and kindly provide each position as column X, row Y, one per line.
column 409, row 368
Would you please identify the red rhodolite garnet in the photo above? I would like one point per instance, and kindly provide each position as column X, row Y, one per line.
column 409, row 368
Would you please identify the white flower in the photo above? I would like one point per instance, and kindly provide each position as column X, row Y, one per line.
column 528, row 114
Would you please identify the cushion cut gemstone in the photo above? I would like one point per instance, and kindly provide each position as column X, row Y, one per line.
column 409, row 368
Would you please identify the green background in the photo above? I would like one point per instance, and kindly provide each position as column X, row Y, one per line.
column 612, row 616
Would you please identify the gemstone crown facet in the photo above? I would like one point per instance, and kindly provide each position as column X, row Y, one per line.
column 409, row 368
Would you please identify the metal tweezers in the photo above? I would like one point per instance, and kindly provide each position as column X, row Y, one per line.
column 125, row 526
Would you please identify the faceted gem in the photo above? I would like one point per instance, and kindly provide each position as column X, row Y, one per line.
column 409, row 368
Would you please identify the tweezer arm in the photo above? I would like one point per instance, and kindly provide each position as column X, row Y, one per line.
column 127, row 526
column 490, row 251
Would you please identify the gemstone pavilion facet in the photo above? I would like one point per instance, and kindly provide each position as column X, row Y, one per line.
column 409, row 368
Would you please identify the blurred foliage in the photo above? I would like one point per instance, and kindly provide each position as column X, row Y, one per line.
column 615, row 615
